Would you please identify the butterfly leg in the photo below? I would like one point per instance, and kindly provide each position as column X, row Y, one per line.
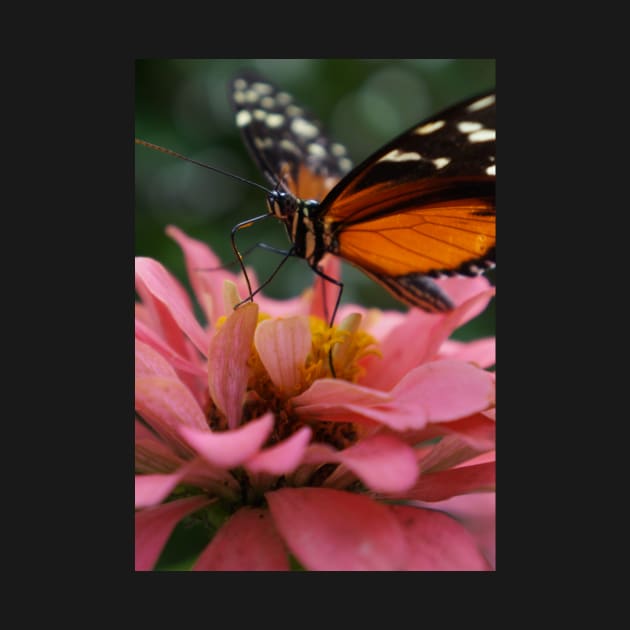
column 287, row 255
column 239, row 257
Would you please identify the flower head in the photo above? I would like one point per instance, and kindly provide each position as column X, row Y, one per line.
column 324, row 444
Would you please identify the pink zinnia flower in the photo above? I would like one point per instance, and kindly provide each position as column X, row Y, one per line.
column 243, row 418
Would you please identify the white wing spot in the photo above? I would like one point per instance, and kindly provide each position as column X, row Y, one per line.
column 274, row 120
column 240, row 84
column 282, row 98
column 316, row 149
column 483, row 135
column 481, row 103
column 268, row 102
column 337, row 149
column 469, row 127
column 243, row 118
column 239, row 97
column 345, row 164
column 294, row 110
column 251, row 96
column 260, row 114
column 262, row 88
column 304, row 128
column 492, row 170
column 441, row 162
column 399, row 156
column 263, row 143
column 430, row 127
column 287, row 145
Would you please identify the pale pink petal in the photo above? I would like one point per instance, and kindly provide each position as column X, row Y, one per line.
column 477, row 513
column 441, row 485
column 227, row 449
column 327, row 391
column 398, row 354
column 428, row 331
column 282, row 458
column 205, row 273
column 170, row 401
column 149, row 362
column 227, row 360
column 449, row 452
column 333, row 530
column 248, row 541
column 325, row 293
column 300, row 305
column 445, row 390
column 461, row 289
column 153, row 489
column 437, row 542
column 167, row 293
column 481, row 352
column 283, row 345
column 382, row 462
column 151, row 338
column 152, row 455
column 166, row 404
column 154, row 525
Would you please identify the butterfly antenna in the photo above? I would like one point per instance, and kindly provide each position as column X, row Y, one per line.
column 156, row 147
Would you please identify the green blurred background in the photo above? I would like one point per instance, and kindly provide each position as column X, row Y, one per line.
column 183, row 105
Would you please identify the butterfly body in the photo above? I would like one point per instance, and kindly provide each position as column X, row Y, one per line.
column 421, row 207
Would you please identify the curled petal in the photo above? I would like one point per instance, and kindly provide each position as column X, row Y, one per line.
column 163, row 288
column 281, row 458
column 283, row 345
column 333, row 530
column 444, row 484
column 228, row 449
column 445, row 390
column 248, row 541
column 154, row 525
column 228, row 372
column 153, row 489
column 382, row 462
column 481, row 352
column 146, row 335
column 437, row 542
column 149, row 362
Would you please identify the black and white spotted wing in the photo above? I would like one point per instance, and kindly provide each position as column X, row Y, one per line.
column 286, row 141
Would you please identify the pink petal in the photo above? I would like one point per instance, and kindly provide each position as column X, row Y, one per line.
column 248, row 541
column 461, row 289
column 328, row 391
column 382, row 462
column 441, row 485
column 449, row 452
column 154, row 278
column 436, row 542
column 227, row 360
column 149, row 362
column 481, row 352
column 153, row 489
column 325, row 292
column 151, row 338
column 228, row 449
column 333, row 530
column 477, row 513
column 169, row 401
column 154, row 525
column 445, row 390
column 283, row 457
column 205, row 273
column 428, row 331
column 283, row 345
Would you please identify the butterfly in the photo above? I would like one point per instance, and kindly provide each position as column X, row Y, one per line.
column 419, row 208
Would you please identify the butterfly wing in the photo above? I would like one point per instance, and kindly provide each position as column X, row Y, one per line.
column 422, row 206
column 287, row 142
